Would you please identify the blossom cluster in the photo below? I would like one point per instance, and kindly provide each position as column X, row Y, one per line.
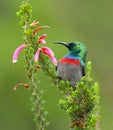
column 41, row 40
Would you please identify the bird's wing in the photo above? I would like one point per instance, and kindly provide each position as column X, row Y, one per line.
column 83, row 70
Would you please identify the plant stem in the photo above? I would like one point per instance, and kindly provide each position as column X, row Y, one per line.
column 36, row 93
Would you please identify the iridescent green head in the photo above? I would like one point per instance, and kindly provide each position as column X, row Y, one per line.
column 76, row 49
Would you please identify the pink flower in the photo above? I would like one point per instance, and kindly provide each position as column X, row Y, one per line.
column 47, row 51
column 36, row 57
column 17, row 51
column 41, row 39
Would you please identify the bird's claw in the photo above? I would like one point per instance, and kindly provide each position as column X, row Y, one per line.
column 77, row 123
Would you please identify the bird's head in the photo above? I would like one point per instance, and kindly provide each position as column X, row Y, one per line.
column 76, row 48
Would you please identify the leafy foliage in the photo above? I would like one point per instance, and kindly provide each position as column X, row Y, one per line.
column 80, row 103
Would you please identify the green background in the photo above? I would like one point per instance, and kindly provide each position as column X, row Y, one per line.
column 81, row 20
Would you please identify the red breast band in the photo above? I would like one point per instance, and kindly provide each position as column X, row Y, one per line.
column 69, row 60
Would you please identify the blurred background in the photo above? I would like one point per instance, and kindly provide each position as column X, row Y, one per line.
column 90, row 22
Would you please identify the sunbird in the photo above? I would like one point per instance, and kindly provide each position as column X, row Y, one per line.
column 72, row 66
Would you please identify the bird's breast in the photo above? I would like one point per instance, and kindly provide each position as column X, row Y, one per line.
column 69, row 61
column 69, row 69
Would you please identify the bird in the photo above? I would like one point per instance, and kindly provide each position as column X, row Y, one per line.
column 71, row 67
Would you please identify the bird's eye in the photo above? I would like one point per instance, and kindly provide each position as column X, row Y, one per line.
column 72, row 44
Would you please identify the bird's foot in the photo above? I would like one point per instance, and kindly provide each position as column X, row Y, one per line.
column 77, row 123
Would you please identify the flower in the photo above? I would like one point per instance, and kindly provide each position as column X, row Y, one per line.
column 39, row 28
column 47, row 51
column 20, row 84
column 36, row 57
column 17, row 51
column 34, row 23
column 41, row 39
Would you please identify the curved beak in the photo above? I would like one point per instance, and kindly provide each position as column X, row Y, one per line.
column 63, row 43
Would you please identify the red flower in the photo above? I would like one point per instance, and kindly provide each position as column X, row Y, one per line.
column 39, row 28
